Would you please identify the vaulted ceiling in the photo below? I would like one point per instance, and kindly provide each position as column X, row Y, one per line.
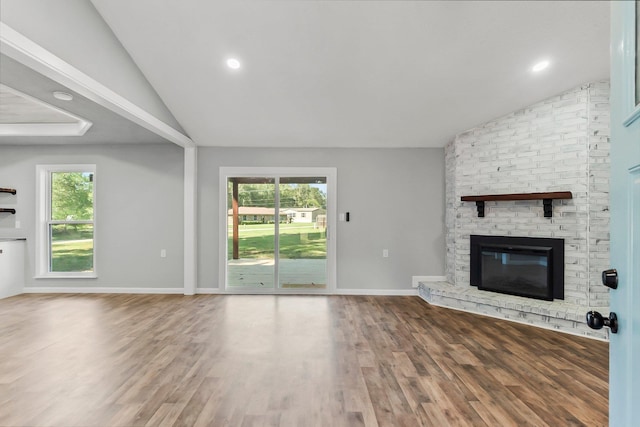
column 334, row 73
column 356, row 73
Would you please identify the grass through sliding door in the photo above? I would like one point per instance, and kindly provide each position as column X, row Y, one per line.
column 251, row 233
column 276, row 216
column 303, row 236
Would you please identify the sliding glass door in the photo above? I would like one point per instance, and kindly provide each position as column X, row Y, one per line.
column 277, row 227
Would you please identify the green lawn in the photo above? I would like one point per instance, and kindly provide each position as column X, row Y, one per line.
column 296, row 241
column 75, row 255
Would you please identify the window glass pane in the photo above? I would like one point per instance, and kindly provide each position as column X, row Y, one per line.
column 251, row 232
column 71, row 247
column 71, row 196
column 303, row 238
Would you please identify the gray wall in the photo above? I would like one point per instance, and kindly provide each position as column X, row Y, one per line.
column 139, row 210
column 395, row 197
column 74, row 31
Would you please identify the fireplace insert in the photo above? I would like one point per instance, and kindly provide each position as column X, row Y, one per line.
column 525, row 266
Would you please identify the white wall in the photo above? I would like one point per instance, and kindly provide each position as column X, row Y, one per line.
column 395, row 197
column 139, row 211
column 75, row 32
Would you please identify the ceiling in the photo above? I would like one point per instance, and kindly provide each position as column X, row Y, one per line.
column 356, row 73
column 326, row 73
column 35, row 108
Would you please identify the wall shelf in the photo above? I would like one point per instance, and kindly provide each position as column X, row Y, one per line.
column 546, row 198
column 8, row 190
column 6, row 210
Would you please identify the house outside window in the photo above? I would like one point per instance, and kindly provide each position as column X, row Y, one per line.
column 65, row 229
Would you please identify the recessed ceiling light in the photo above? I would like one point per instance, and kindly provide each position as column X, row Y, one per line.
column 62, row 96
column 233, row 63
column 540, row 66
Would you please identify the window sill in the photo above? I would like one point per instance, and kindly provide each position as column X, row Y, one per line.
column 66, row 276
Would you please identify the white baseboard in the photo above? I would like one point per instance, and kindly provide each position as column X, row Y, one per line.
column 389, row 292
column 101, row 290
column 208, row 291
column 415, row 280
column 204, row 291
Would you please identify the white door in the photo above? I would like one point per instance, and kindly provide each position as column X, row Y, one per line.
column 624, row 389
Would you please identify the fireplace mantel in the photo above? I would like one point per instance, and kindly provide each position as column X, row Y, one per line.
column 545, row 197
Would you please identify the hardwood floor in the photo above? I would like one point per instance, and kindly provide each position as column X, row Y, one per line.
column 165, row 360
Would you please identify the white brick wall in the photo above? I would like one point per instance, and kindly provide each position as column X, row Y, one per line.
column 560, row 144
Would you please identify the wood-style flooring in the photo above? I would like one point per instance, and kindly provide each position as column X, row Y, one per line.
column 168, row 360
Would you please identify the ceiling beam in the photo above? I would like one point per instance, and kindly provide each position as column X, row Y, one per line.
column 20, row 48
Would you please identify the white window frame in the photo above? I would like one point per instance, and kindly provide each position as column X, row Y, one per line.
column 43, row 221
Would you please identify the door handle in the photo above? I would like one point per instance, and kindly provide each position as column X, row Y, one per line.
column 595, row 320
column 610, row 278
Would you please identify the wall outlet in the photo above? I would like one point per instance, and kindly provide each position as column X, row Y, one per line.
column 385, row 253
column 17, row 224
column 163, row 253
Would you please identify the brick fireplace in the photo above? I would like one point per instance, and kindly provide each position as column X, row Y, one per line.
column 559, row 144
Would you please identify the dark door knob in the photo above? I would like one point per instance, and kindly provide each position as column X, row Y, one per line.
column 595, row 320
column 610, row 278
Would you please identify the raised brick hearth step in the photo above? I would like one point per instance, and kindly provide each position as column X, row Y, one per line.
column 557, row 315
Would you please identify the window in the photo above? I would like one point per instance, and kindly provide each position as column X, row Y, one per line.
column 303, row 215
column 65, row 229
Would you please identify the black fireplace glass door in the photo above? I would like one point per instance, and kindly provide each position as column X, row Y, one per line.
column 514, row 271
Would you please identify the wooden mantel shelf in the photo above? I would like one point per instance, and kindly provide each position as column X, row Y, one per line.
column 545, row 197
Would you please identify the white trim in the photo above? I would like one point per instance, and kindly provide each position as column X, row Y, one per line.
column 223, row 225
column 100, row 290
column 190, row 219
column 270, row 291
column 374, row 292
column 45, row 129
column 17, row 46
column 78, row 128
column 630, row 110
column 388, row 292
column 330, row 173
column 564, row 331
column 208, row 291
column 415, row 280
